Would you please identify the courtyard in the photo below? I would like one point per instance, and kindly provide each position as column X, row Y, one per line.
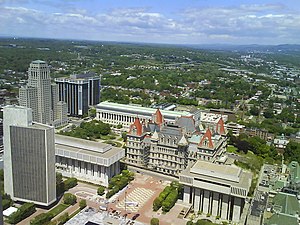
column 139, row 196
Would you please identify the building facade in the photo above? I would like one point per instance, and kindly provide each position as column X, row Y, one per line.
column 29, row 157
column 87, row 160
column 40, row 95
column 169, row 147
column 216, row 190
column 114, row 113
column 79, row 92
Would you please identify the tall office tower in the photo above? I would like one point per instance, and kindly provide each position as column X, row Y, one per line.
column 29, row 157
column 39, row 77
column 79, row 92
column 40, row 95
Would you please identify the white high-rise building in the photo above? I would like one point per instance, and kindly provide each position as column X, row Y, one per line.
column 29, row 157
column 40, row 95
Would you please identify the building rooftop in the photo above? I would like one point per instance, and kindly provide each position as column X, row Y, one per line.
column 223, row 175
column 286, row 203
column 83, row 75
column 89, row 151
column 38, row 62
column 82, row 143
column 217, row 171
column 92, row 217
column 139, row 109
column 41, row 126
column 282, row 219
column 294, row 170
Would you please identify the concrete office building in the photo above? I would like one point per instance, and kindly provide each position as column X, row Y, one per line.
column 79, row 92
column 29, row 157
column 40, row 95
column 218, row 190
column 87, row 160
column 114, row 113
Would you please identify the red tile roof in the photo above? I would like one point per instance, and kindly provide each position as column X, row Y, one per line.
column 136, row 127
column 158, row 117
column 207, row 136
column 220, row 126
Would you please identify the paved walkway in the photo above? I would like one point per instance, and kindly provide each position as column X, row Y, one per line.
column 136, row 199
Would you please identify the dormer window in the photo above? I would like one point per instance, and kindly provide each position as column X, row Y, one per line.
column 134, row 130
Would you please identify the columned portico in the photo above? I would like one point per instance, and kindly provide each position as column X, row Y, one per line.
column 87, row 160
column 218, row 190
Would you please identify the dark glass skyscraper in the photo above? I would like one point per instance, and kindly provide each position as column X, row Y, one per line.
column 79, row 92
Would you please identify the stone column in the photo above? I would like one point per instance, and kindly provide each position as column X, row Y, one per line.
column 215, row 204
column 206, row 202
column 186, row 194
column 224, row 207
column 197, row 200
column 76, row 166
column 236, row 209
column 82, row 171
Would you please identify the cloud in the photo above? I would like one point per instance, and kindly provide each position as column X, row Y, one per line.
column 253, row 22
column 257, row 23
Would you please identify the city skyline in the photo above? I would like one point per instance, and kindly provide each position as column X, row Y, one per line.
column 176, row 22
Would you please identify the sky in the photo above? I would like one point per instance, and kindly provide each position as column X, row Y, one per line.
column 155, row 21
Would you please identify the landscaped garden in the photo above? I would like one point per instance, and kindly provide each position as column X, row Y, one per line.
column 118, row 182
column 168, row 197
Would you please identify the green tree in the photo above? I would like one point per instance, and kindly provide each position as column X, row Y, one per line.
column 101, row 190
column 69, row 199
column 23, row 212
column 82, row 203
column 292, row 152
column 157, row 203
column 269, row 113
column 60, row 187
column 154, row 221
column 170, row 201
column 254, row 111
column 69, row 183
column 63, row 219
column 43, row 218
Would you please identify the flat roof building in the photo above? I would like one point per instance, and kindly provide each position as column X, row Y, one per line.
column 114, row 113
column 29, row 157
column 218, row 190
column 87, row 160
column 79, row 91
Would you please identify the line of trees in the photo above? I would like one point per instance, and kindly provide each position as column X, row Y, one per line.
column 23, row 212
column 118, row 182
column 168, row 197
column 255, row 144
column 62, row 186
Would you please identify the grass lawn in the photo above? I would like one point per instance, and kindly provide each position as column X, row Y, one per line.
column 231, row 149
column 58, row 209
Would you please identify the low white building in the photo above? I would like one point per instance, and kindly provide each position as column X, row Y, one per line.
column 217, row 190
column 114, row 113
column 87, row 160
